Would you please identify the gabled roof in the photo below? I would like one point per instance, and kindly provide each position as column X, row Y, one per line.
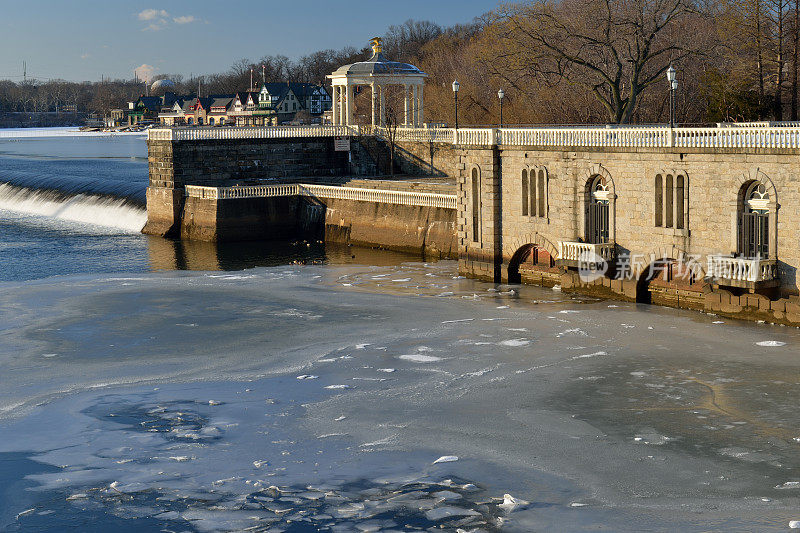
column 303, row 90
column 205, row 103
column 222, row 102
column 152, row 103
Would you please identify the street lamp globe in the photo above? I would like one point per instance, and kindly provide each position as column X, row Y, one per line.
column 501, row 94
column 671, row 75
column 456, row 85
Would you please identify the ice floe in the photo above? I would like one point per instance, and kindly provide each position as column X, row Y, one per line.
column 515, row 342
column 510, row 503
column 420, row 358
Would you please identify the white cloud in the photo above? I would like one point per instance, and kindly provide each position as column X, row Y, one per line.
column 145, row 71
column 156, row 26
column 152, row 14
column 184, row 19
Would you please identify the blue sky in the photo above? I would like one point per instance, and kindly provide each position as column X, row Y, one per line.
column 86, row 39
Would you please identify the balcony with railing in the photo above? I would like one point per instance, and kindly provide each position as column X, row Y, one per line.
column 575, row 254
column 742, row 272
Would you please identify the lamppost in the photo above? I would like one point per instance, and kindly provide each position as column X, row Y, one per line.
column 455, row 97
column 500, row 95
column 673, row 85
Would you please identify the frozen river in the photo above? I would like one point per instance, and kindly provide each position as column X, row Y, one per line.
column 155, row 385
column 305, row 398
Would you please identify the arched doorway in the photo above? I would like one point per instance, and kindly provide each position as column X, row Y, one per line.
column 598, row 228
column 670, row 282
column 753, row 221
column 528, row 259
column 660, row 269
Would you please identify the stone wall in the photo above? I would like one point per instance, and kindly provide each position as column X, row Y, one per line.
column 426, row 230
column 174, row 164
column 244, row 219
column 430, row 230
column 714, row 183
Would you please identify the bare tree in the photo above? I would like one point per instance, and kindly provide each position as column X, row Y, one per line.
column 614, row 48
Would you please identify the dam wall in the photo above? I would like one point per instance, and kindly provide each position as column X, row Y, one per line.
column 226, row 162
column 409, row 228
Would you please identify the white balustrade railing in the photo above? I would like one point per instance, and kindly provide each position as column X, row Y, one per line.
column 742, row 136
column 584, row 251
column 265, row 132
column 585, row 137
column 444, row 135
column 421, row 199
column 476, row 136
column 725, row 267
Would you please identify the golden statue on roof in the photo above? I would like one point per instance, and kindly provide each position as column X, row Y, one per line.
column 377, row 45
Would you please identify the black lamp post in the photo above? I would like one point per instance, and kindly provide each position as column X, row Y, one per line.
column 673, row 85
column 455, row 97
column 500, row 95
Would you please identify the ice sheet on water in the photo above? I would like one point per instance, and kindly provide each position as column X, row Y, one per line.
column 515, row 342
column 771, row 343
column 419, row 358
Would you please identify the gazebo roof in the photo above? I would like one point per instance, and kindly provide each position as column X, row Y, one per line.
column 377, row 65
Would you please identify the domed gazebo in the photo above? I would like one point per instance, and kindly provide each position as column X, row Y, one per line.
column 378, row 73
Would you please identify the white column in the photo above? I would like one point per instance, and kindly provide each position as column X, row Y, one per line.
column 348, row 104
column 421, row 110
column 335, row 105
column 414, row 105
column 383, row 108
column 406, row 116
column 372, row 87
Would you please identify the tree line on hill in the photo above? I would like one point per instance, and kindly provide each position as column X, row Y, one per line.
column 558, row 61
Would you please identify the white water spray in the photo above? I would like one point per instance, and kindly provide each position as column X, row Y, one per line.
column 106, row 212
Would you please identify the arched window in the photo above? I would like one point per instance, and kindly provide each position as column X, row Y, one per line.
column 533, row 192
column 542, row 211
column 524, row 192
column 211, row 121
column 680, row 191
column 659, row 200
column 476, row 206
column 669, row 206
